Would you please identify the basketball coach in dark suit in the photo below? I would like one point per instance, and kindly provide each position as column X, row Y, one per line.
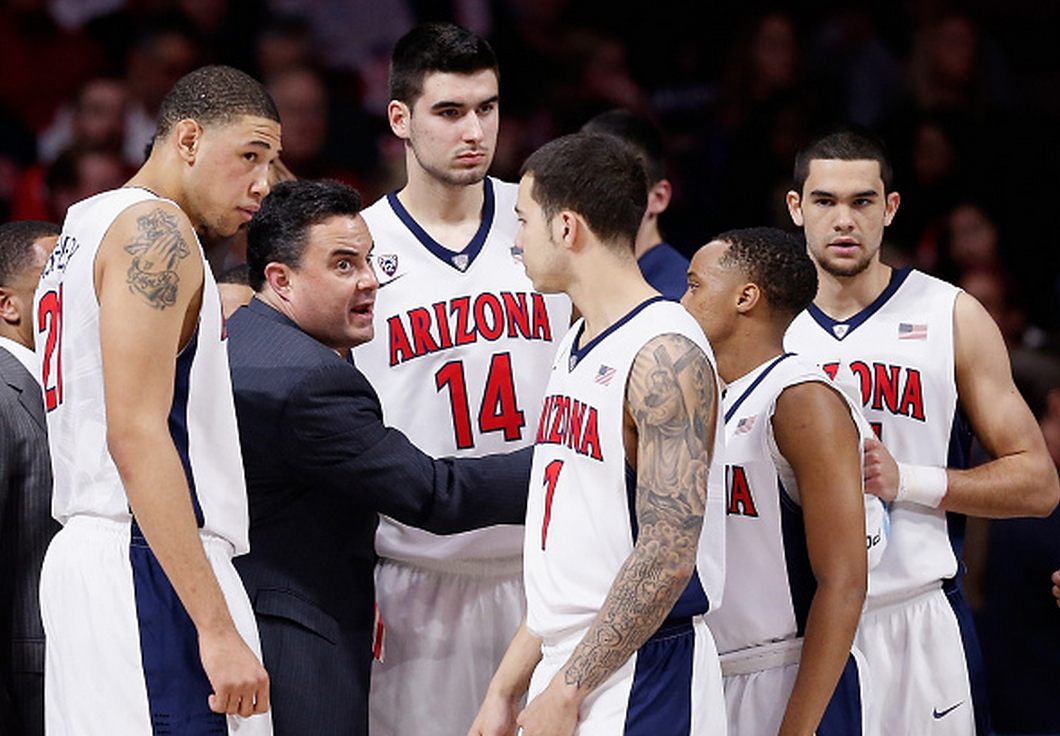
column 26, row 524
column 320, row 464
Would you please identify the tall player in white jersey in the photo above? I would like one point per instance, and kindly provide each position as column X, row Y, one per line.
column 460, row 363
column 149, row 629
column 796, row 523
column 930, row 365
column 624, row 549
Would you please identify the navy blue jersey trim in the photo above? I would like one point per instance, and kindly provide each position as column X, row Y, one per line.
column 802, row 585
column 178, row 418
column 754, row 385
column 577, row 355
column 660, row 696
column 177, row 687
column 440, row 252
column 898, row 277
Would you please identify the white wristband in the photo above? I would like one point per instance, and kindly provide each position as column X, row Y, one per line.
column 922, row 484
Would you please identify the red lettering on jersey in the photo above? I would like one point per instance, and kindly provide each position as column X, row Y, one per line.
column 420, row 321
column 400, row 349
column 574, row 425
column 591, row 437
column 831, row 369
column 885, row 390
column 739, row 491
column 543, row 422
column 561, row 405
column 491, row 328
column 542, row 330
column 912, row 397
column 461, row 307
column 864, row 379
column 443, row 325
column 518, row 316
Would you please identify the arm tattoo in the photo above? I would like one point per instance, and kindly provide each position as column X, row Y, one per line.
column 157, row 250
column 671, row 395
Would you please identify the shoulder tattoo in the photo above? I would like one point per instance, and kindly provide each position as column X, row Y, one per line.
column 156, row 249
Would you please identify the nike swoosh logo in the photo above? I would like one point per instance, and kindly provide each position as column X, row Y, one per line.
column 940, row 713
column 387, row 283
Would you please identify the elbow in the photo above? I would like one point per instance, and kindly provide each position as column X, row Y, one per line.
column 1047, row 492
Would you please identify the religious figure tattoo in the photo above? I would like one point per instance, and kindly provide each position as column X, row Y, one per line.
column 156, row 249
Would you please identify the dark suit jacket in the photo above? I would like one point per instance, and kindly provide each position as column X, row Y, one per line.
column 320, row 468
column 26, row 528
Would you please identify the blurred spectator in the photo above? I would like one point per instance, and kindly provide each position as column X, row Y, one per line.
column 1017, row 623
column 301, row 96
column 43, row 65
column 161, row 54
column 45, row 192
column 95, row 116
column 285, row 42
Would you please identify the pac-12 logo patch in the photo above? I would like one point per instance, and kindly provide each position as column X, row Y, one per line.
column 388, row 263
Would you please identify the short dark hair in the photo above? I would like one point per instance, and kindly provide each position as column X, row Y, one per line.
column 213, row 96
column 237, row 274
column 280, row 229
column 436, row 47
column 777, row 262
column 598, row 176
column 16, row 246
column 848, row 142
column 639, row 132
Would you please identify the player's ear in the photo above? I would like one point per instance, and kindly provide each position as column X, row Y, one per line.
column 795, row 207
column 568, row 228
column 187, row 134
column 892, row 207
column 9, row 311
column 748, row 296
column 659, row 197
column 398, row 114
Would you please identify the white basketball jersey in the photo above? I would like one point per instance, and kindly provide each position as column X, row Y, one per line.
column 580, row 510
column 769, row 581
column 202, row 421
column 900, row 349
column 461, row 353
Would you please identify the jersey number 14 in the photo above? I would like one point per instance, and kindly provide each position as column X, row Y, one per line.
column 499, row 411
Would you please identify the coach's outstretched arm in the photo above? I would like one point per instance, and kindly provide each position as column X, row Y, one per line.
column 673, row 447
column 1021, row 480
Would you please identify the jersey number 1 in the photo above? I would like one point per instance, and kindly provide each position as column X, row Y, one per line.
column 50, row 320
column 499, row 411
column 551, row 478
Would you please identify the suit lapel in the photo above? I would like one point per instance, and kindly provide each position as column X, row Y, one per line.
column 29, row 395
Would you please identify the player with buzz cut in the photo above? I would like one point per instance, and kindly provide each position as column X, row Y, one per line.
column 797, row 522
column 460, row 363
column 625, row 522
column 932, row 371
column 148, row 625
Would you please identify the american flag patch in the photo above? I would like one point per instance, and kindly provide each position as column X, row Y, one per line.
column 910, row 331
column 604, row 375
column 744, row 425
column 517, row 254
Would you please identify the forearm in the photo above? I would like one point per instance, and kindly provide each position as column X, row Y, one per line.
column 1021, row 484
column 642, row 595
column 830, row 628
column 158, row 494
column 512, row 678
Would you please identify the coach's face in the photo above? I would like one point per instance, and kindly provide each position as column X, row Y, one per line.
column 331, row 294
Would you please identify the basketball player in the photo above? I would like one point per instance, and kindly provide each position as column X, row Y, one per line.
column 619, row 502
column 663, row 266
column 795, row 521
column 931, row 365
column 148, row 626
column 460, row 363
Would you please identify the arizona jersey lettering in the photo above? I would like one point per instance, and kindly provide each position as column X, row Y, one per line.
column 479, row 358
column 899, row 354
column 580, row 515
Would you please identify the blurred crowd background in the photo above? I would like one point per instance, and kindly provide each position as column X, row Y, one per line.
column 966, row 94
